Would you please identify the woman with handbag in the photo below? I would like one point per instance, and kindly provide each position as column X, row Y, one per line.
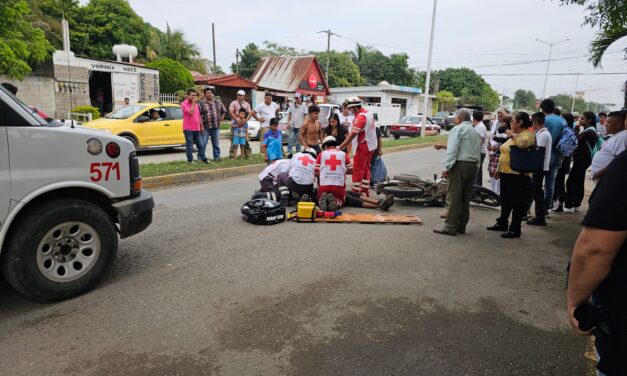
column 514, row 185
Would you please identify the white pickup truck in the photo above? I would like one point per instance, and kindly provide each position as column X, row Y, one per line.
column 66, row 192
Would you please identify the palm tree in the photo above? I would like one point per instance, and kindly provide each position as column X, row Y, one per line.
column 359, row 53
column 603, row 41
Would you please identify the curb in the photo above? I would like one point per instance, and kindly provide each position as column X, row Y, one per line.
column 165, row 181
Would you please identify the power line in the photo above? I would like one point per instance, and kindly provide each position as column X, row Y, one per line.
column 553, row 74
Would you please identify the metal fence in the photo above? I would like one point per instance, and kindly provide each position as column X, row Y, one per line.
column 80, row 117
column 168, row 98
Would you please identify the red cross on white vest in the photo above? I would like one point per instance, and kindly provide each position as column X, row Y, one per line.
column 305, row 161
column 333, row 162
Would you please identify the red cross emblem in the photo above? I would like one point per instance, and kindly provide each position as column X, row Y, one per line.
column 305, row 161
column 333, row 162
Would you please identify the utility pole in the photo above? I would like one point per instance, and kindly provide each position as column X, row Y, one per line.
column 213, row 39
column 548, row 62
column 237, row 61
column 425, row 107
column 328, row 33
column 572, row 108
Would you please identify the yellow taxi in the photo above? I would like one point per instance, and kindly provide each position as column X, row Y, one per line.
column 146, row 125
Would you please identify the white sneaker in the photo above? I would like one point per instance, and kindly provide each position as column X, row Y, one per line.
column 577, row 209
column 556, row 203
column 569, row 210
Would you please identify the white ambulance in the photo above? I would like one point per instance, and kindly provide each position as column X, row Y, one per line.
column 66, row 192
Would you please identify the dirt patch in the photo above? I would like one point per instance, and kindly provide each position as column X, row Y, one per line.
column 140, row 364
column 398, row 337
column 269, row 324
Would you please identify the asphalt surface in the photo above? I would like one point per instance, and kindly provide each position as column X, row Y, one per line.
column 203, row 293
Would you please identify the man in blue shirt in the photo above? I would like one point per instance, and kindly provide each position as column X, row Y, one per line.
column 272, row 144
column 555, row 125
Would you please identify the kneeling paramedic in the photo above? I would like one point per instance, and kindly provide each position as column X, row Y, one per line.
column 332, row 166
column 269, row 180
column 298, row 182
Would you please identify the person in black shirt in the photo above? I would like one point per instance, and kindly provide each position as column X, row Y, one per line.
column 582, row 158
column 599, row 266
column 337, row 130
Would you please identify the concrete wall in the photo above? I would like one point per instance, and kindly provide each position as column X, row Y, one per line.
column 79, row 87
column 36, row 91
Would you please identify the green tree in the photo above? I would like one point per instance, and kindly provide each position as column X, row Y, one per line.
column 444, row 100
column 47, row 15
column 456, row 80
column 275, row 49
column 103, row 23
column 360, row 51
column 400, row 73
column 343, row 71
column 250, row 57
column 565, row 102
column 524, row 99
column 172, row 44
column 173, row 75
column 22, row 45
column 610, row 16
column 375, row 67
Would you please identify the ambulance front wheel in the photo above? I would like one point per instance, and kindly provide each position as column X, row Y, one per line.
column 59, row 249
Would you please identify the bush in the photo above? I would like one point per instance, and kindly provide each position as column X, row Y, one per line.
column 173, row 76
column 95, row 113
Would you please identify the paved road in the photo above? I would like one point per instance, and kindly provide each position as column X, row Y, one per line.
column 202, row 293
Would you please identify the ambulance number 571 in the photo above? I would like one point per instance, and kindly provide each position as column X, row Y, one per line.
column 105, row 170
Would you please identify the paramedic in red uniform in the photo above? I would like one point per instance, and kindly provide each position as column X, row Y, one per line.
column 332, row 166
column 364, row 133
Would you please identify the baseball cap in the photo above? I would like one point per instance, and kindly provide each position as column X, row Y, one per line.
column 298, row 95
column 241, row 92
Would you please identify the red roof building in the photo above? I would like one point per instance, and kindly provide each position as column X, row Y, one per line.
column 226, row 85
column 290, row 75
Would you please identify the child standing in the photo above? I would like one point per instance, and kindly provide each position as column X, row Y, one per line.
column 272, row 146
column 240, row 134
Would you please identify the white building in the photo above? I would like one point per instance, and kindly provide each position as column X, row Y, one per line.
column 410, row 99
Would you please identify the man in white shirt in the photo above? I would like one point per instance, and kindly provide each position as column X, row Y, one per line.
column 482, row 131
column 346, row 118
column 617, row 128
column 543, row 139
column 295, row 118
column 266, row 111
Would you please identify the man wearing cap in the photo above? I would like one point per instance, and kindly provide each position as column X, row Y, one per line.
column 364, row 133
column 234, row 108
column 295, row 119
column 267, row 111
column 212, row 112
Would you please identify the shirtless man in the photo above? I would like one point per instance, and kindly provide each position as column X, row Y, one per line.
column 311, row 132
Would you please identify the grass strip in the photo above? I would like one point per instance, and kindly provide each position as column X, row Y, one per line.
column 178, row 167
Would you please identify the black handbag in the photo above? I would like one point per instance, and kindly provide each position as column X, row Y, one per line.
column 526, row 160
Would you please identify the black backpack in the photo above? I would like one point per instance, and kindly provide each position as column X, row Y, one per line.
column 263, row 212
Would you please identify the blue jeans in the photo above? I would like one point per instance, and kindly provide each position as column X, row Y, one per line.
column 214, row 133
column 293, row 139
column 191, row 138
column 549, row 179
